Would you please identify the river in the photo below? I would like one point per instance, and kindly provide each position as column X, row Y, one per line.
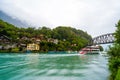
column 53, row 67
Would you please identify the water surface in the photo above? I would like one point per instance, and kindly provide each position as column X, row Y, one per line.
column 53, row 67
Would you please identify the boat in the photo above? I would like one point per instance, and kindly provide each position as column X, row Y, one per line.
column 90, row 50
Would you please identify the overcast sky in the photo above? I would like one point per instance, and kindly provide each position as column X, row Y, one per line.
column 93, row 16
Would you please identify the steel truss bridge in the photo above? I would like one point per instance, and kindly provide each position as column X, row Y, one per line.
column 103, row 39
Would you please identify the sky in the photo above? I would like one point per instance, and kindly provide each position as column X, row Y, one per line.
column 96, row 17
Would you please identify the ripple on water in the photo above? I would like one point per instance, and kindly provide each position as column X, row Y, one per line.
column 53, row 67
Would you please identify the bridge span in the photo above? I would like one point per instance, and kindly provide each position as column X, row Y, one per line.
column 103, row 39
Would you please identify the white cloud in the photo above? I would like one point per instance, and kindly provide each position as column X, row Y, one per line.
column 95, row 17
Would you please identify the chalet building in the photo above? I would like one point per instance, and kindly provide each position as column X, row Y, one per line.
column 33, row 46
column 24, row 38
column 1, row 47
column 4, row 39
column 53, row 40
column 5, row 42
column 9, row 46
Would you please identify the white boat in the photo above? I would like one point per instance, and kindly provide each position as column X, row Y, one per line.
column 90, row 50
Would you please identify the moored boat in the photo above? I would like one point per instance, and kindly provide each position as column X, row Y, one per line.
column 90, row 50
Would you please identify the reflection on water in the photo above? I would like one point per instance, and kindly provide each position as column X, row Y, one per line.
column 53, row 67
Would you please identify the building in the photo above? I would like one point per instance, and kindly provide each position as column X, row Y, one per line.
column 4, row 39
column 53, row 40
column 33, row 46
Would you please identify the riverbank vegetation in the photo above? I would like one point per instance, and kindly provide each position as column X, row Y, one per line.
column 61, row 38
column 114, row 60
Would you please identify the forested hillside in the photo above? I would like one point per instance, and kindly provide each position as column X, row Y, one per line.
column 68, row 38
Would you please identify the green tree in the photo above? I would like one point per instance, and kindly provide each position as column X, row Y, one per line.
column 101, row 48
column 114, row 52
column 45, row 31
column 69, row 38
column 117, row 33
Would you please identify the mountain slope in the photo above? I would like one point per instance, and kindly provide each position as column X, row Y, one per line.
column 11, row 20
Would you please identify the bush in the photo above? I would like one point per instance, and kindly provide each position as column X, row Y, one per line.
column 15, row 50
column 118, row 75
column 114, row 61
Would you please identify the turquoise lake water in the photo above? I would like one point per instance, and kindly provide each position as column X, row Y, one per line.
column 53, row 67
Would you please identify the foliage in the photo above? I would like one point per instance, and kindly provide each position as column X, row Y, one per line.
column 15, row 50
column 114, row 60
column 101, row 48
column 68, row 33
column 68, row 38
column 47, row 46
column 117, row 33
column 118, row 75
